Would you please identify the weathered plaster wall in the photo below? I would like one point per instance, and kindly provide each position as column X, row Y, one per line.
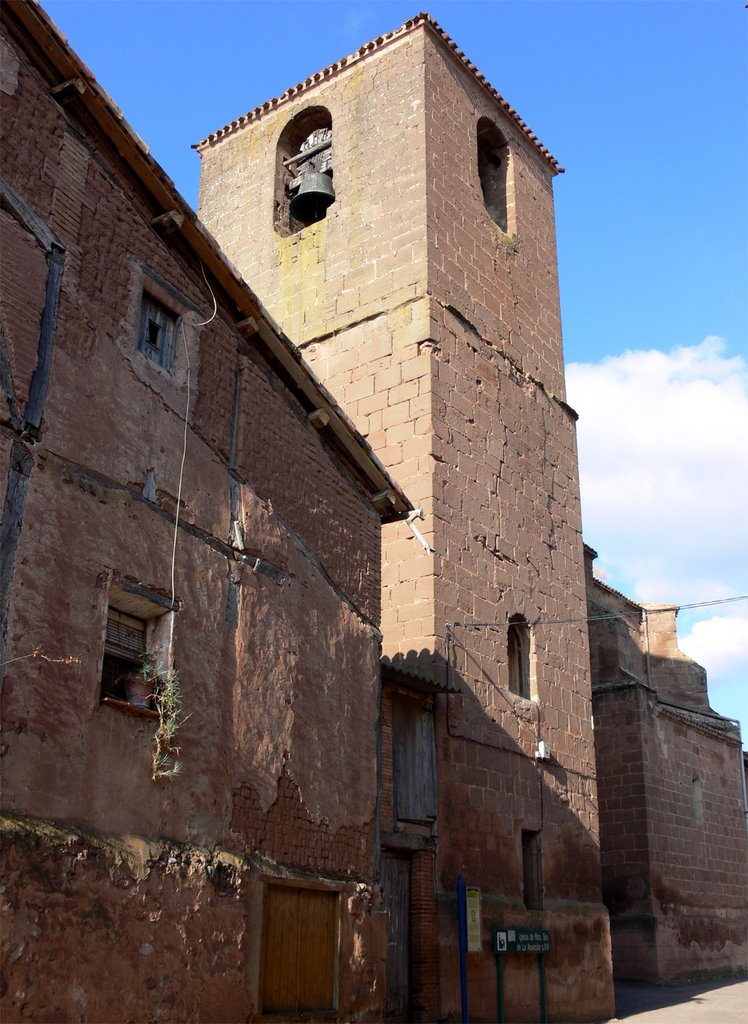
column 275, row 638
column 114, row 927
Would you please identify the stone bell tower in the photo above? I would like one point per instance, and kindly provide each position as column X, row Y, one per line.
column 395, row 215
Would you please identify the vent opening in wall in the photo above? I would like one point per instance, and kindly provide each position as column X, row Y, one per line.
column 493, row 170
column 304, row 190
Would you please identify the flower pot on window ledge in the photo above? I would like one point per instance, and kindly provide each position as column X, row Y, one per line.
column 139, row 690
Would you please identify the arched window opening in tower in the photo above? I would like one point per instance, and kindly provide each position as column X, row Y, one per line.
column 493, row 170
column 304, row 190
column 518, row 655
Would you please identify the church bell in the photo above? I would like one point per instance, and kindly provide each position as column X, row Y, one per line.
column 314, row 195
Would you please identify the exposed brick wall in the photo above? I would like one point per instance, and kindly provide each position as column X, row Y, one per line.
column 22, row 288
column 286, row 833
column 424, row 963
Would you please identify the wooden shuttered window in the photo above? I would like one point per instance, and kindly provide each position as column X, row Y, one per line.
column 300, row 938
column 125, row 636
column 157, row 333
column 415, row 760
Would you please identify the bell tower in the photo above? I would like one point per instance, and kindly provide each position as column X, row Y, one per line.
column 395, row 215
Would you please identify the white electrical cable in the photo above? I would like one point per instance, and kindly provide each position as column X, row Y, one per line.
column 203, row 323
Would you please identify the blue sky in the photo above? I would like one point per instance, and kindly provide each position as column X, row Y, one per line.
column 644, row 103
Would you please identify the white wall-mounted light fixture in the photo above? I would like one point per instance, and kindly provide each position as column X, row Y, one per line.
column 418, row 513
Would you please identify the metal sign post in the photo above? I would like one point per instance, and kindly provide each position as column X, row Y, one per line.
column 521, row 940
column 462, row 925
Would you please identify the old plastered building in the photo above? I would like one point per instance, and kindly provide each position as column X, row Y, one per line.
column 396, row 215
column 174, row 479
column 672, row 799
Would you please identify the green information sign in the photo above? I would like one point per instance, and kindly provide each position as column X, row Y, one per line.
column 521, row 940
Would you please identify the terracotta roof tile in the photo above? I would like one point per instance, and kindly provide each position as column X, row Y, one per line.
column 421, row 19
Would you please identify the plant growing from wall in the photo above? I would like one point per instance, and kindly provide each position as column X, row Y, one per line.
column 157, row 688
column 509, row 244
column 168, row 700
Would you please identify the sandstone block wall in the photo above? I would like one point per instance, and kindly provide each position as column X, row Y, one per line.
column 449, row 359
column 672, row 822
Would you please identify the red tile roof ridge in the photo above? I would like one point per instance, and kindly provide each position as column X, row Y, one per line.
column 423, row 18
column 612, row 590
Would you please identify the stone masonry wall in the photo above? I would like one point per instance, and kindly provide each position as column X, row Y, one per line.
column 674, row 846
column 626, row 826
column 508, row 541
column 453, row 369
column 505, row 284
column 351, row 289
column 699, row 850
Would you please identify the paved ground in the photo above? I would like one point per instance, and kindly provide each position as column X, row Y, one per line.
column 716, row 1002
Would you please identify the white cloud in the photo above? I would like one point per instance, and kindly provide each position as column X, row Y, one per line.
column 721, row 642
column 663, row 447
column 663, row 452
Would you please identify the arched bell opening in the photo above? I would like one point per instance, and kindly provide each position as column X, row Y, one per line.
column 304, row 190
column 493, row 170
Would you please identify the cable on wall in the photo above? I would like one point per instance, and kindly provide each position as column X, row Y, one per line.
column 203, row 323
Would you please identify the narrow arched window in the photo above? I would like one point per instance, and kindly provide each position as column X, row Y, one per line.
column 493, row 170
column 697, row 798
column 518, row 655
column 303, row 184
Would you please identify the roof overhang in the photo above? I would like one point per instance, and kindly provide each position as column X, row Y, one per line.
column 74, row 86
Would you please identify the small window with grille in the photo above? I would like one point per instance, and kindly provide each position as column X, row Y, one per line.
column 137, row 646
column 157, row 334
column 124, row 651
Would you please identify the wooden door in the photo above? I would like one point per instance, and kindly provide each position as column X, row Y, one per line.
column 396, row 890
column 299, row 949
